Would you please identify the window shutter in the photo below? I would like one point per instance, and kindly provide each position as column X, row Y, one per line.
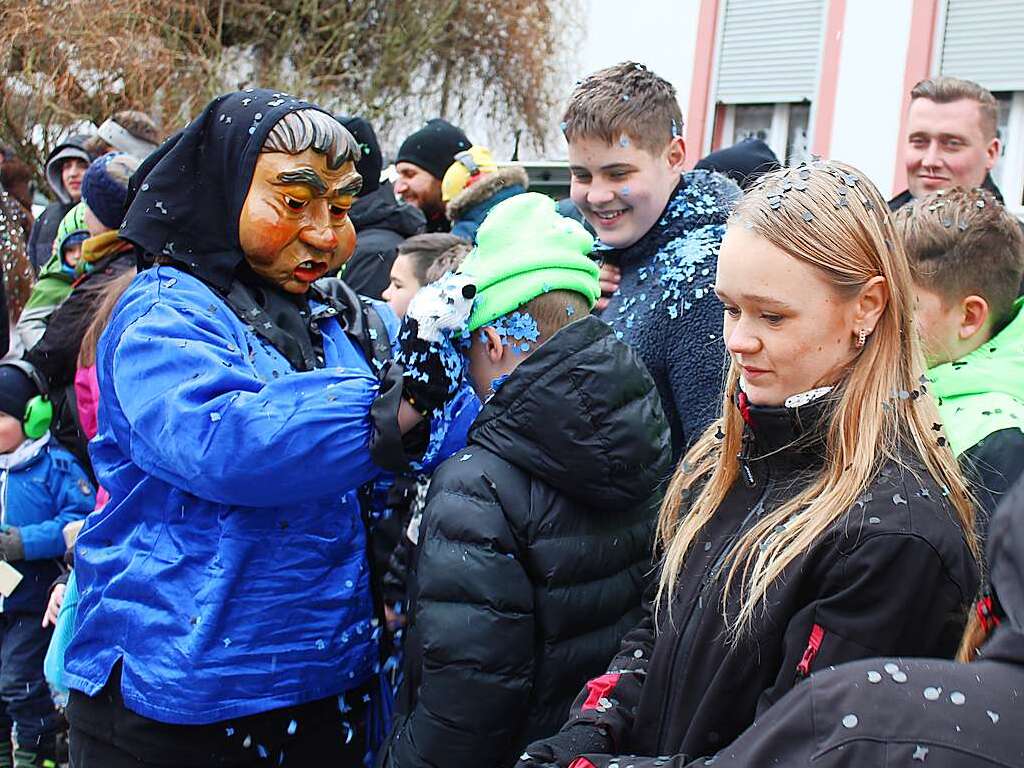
column 770, row 51
column 983, row 41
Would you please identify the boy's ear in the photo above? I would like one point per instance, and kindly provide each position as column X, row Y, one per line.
column 495, row 349
column 676, row 154
column 974, row 314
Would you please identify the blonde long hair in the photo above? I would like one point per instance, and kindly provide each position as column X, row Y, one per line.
column 830, row 216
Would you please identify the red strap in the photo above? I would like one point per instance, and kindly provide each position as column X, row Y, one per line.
column 599, row 688
column 803, row 669
column 986, row 614
column 744, row 405
column 581, row 762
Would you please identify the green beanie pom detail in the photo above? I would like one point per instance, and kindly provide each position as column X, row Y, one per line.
column 525, row 248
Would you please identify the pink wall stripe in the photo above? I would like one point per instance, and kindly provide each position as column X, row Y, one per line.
column 918, row 67
column 695, row 118
column 825, row 104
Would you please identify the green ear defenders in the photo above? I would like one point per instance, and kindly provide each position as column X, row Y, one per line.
column 38, row 410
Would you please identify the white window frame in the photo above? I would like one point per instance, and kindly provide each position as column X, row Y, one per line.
column 778, row 137
column 1009, row 171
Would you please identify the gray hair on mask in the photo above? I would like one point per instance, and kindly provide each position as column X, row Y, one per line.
column 312, row 129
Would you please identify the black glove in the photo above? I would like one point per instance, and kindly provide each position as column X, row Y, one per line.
column 11, row 546
column 432, row 366
column 565, row 746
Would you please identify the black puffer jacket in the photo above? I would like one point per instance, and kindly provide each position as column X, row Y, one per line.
column 898, row 712
column 533, row 552
column 381, row 224
column 893, row 576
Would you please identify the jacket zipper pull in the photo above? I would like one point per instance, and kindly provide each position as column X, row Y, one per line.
column 803, row 669
column 744, row 456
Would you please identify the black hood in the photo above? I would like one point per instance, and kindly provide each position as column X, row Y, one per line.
column 381, row 210
column 1006, row 555
column 186, row 197
column 583, row 415
column 743, row 162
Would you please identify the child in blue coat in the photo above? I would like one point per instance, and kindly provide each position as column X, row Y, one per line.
column 42, row 489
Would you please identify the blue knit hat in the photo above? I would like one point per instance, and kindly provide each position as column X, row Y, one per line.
column 105, row 187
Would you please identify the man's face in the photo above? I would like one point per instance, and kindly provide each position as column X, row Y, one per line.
column 294, row 226
column 417, row 187
column 947, row 146
column 72, row 171
column 620, row 188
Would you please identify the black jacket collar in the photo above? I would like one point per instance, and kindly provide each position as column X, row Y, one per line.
column 784, row 437
column 905, row 197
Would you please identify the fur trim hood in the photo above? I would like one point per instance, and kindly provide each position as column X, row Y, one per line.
column 487, row 187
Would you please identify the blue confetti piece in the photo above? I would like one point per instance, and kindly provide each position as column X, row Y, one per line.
column 292, row 728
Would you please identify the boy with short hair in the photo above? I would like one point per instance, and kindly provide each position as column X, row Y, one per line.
column 45, row 488
column 660, row 230
column 535, row 542
column 967, row 254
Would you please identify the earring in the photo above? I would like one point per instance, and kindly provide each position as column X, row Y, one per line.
column 861, row 337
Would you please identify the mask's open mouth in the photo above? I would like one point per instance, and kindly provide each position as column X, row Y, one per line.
column 310, row 271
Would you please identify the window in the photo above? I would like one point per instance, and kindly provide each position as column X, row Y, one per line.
column 767, row 73
column 783, row 127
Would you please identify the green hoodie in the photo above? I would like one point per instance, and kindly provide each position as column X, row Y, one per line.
column 983, row 391
column 55, row 278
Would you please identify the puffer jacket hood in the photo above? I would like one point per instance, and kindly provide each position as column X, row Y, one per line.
column 583, row 415
column 381, row 210
column 983, row 392
column 73, row 147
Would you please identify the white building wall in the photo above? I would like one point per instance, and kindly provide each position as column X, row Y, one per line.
column 869, row 97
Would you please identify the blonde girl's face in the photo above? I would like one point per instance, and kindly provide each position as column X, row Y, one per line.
column 785, row 326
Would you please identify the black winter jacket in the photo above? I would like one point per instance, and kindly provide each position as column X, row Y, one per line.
column 898, row 712
column 666, row 306
column 892, row 576
column 381, row 224
column 994, row 464
column 534, row 550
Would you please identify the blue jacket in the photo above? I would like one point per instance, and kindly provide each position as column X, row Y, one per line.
column 666, row 307
column 229, row 570
column 42, row 490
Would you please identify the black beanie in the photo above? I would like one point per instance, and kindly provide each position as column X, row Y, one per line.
column 16, row 389
column 370, row 161
column 433, row 147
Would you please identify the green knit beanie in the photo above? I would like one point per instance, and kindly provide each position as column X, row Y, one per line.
column 525, row 248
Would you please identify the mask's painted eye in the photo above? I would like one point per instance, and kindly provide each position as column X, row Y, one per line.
column 295, row 205
column 339, row 210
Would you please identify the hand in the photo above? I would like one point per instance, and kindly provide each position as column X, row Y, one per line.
column 11, row 546
column 609, row 280
column 53, row 607
column 432, row 366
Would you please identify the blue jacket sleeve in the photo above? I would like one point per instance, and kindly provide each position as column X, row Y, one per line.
column 73, row 498
column 188, row 407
